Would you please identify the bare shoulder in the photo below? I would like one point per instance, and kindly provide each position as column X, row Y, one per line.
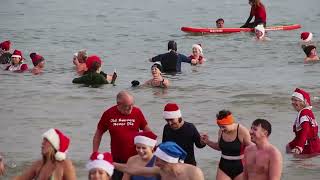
column 194, row 172
column 132, row 159
column 250, row 148
column 274, row 151
column 243, row 129
column 66, row 164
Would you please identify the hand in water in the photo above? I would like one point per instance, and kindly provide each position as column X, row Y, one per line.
column 114, row 77
column 295, row 151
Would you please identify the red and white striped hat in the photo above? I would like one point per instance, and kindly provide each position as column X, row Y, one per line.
column 146, row 137
column 171, row 111
column 17, row 53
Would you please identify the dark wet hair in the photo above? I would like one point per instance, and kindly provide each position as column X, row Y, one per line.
column 222, row 114
column 135, row 83
column 264, row 124
column 172, row 45
column 220, row 19
column 307, row 49
column 157, row 66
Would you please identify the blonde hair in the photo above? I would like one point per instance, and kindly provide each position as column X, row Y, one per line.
column 50, row 156
column 82, row 55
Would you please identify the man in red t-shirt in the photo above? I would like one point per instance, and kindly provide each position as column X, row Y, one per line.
column 123, row 122
column 258, row 11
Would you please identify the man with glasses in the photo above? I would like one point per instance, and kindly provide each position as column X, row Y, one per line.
column 123, row 121
column 183, row 133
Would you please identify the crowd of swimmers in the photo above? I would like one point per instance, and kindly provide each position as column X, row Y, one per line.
column 136, row 155
column 135, row 152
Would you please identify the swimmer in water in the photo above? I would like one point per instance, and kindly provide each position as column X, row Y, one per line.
column 157, row 79
column 38, row 62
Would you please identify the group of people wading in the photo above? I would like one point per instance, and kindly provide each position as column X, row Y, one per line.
column 135, row 155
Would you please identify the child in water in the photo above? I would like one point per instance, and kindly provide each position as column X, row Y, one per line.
column 260, row 33
column 38, row 62
column 197, row 55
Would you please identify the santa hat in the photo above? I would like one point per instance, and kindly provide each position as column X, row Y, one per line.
column 171, row 111
column 170, row 152
column 197, row 46
column 146, row 137
column 92, row 59
column 302, row 95
column 5, row 45
column 17, row 53
column 101, row 160
column 306, row 36
column 36, row 58
column 59, row 141
column 260, row 28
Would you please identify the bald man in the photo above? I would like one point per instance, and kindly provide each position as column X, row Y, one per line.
column 123, row 121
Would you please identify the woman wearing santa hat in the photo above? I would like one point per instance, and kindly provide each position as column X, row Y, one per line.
column 53, row 164
column 305, row 127
column 100, row 166
column 17, row 64
column 145, row 142
column 232, row 140
column 197, row 55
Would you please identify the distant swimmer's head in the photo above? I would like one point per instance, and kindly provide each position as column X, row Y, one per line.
column 82, row 56
column 5, row 45
column 306, row 37
column 156, row 66
column 37, row 59
column 310, row 50
column 197, row 49
column 17, row 57
column 172, row 45
column 259, row 31
column 220, row 23
column 93, row 63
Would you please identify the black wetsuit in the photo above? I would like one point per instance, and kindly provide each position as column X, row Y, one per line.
column 171, row 61
column 235, row 148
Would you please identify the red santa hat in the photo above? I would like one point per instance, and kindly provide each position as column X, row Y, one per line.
column 146, row 137
column 101, row 160
column 171, row 111
column 5, row 45
column 59, row 141
column 17, row 53
column 197, row 46
column 36, row 58
column 302, row 95
column 92, row 59
column 306, row 36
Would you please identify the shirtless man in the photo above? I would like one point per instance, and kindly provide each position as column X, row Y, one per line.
column 263, row 161
column 168, row 166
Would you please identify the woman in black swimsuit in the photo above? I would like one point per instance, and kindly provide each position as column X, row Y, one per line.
column 233, row 138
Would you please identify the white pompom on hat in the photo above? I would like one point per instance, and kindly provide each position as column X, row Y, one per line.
column 260, row 28
column 198, row 46
column 101, row 160
column 59, row 141
column 146, row 137
column 171, row 111
column 306, row 36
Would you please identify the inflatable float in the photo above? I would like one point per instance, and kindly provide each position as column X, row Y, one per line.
column 235, row 30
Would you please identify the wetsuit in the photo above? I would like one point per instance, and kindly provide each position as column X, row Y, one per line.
column 171, row 61
column 260, row 17
column 149, row 164
column 231, row 155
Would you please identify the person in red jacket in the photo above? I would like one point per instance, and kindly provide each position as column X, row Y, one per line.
column 305, row 127
column 17, row 64
column 258, row 11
